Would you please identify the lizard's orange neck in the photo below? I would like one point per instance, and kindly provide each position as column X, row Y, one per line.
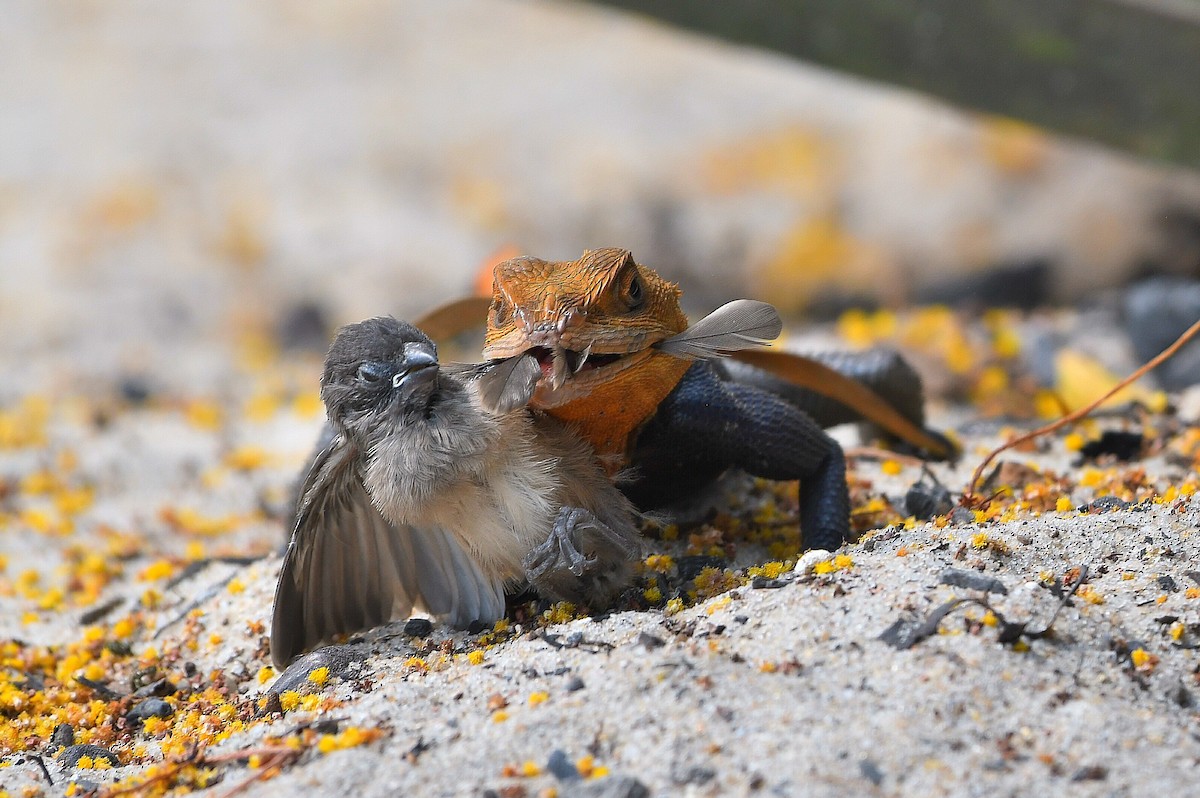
column 612, row 413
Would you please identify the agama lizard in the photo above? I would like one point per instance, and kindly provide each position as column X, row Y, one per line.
column 675, row 424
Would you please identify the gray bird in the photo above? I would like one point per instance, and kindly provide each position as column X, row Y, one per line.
column 425, row 500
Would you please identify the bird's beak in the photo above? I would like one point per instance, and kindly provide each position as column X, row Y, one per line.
column 418, row 367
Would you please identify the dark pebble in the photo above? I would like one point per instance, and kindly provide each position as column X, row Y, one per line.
column 561, row 767
column 1104, row 504
column 610, row 787
column 1091, row 773
column 1157, row 311
column 575, row 684
column 477, row 627
column 924, row 501
column 418, row 627
column 649, row 641
column 63, row 737
column 972, row 580
column 149, row 708
column 960, row 516
column 135, row 389
column 1167, row 584
column 157, row 688
column 70, row 756
column 337, row 658
column 741, row 618
column 1124, row 446
column 870, row 771
column 305, row 325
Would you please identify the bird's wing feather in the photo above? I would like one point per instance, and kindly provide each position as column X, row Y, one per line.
column 347, row 568
column 739, row 324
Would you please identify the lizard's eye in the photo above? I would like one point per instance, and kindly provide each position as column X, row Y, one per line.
column 372, row 371
column 635, row 293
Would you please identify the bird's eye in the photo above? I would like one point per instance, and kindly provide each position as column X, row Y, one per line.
column 372, row 371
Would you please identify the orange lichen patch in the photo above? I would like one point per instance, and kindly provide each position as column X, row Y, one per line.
column 348, row 738
column 161, row 569
column 1081, row 379
column 25, row 424
column 770, row 570
column 191, row 522
column 660, row 563
column 713, row 581
column 307, row 404
column 793, row 159
column 1012, row 146
column 819, row 253
column 261, row 406
column 204, row 414
column 1143, row 660
column 247, row 458
column 872, row 512
column 562, row 612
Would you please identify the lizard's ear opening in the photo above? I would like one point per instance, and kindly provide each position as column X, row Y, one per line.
column 498, row 313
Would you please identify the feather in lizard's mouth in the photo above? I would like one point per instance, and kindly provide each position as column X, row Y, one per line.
column 568, row 374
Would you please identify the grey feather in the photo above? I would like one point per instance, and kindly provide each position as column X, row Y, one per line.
column 347, row 568
column 508, row 384
column 739, row 324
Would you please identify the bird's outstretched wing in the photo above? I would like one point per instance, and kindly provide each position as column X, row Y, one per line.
column 347, row 568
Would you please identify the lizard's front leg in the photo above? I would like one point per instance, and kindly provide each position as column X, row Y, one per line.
column 707, row 425
column 583, row 560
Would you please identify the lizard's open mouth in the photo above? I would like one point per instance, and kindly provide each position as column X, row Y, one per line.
column 576, row 362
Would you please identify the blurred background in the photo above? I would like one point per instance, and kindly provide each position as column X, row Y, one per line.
column 182, row 177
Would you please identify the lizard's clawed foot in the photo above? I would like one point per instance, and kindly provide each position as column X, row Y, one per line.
column 583, row 560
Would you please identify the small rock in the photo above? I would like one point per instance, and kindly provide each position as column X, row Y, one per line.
column 63, row 737
column 1124, row 446
column 972, row 580
column 418, row 627
column 870, row 771
column 961, row 516
column 1167, row 583
column 649, row 641
column 1091, row 773
column 158, row 688
column 338, row 659
column 575, row 684
column 609, row 787
column 561, row 767
column 924, row 501
column 71, row 755
column 149, row 708
column 809, row 559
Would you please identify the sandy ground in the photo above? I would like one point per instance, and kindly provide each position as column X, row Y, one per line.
column 784, row 688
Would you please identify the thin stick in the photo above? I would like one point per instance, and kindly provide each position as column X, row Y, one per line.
column 876, row 454
column 1071, row 418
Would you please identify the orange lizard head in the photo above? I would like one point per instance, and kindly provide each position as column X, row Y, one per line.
column 586, row 320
